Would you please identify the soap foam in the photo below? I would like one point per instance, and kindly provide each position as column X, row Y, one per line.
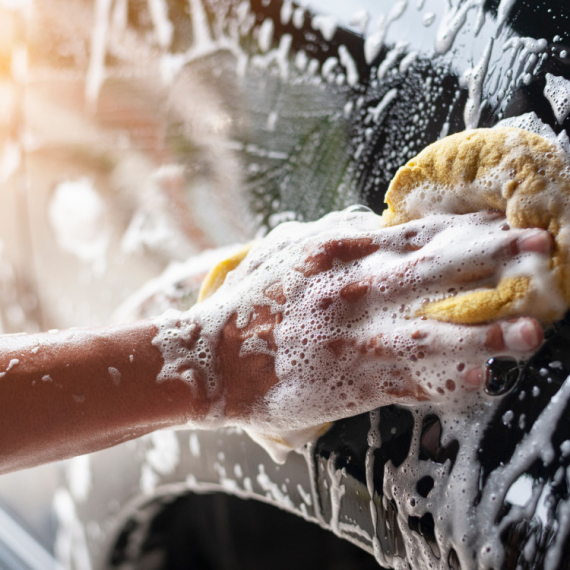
column 348, row 339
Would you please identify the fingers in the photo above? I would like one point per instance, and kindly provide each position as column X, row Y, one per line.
column 519, row 338
column 451, row 250
column 536, row 241
column 515, row 242
column 480, row 258
column 531, row 240
column 441, row 358
column 520, row 335
column 416, row 234
column 412, row 236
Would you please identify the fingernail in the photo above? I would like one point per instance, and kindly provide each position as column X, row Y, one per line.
column 539, row 242
column 523, row 336
column 533, row 333
column 474, row 379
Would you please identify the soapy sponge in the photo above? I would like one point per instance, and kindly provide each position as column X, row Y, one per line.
column 511, row 170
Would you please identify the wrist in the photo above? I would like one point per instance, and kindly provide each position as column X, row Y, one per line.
column 188, row 354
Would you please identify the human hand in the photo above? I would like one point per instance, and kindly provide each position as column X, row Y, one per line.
column 320, row 320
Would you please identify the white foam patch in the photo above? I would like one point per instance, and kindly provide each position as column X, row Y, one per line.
column 529, row 122
column 557, row 91
column 454, row 19
column 194, row 443
column 473, row 79
column 346, row 338
column 326, row 25
column 266, row 35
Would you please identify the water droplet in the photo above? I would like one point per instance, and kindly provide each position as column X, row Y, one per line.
column 348, row 213
column 502, row 373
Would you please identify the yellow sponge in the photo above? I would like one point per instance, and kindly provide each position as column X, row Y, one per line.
column 217, row 275
column 506, row 169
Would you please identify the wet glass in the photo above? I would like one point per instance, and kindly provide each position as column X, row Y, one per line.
column 136, row 134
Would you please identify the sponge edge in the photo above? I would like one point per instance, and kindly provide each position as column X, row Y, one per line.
column 217, row 275
column 507, row 169
column 279, row 445
column 481, row 306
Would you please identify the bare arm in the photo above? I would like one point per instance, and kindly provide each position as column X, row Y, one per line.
column 72, row 392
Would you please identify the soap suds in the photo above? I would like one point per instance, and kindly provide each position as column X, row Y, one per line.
column 557, row 91
column 375, row 41
column 328, row 357
column 452, row 22
column 473, row 79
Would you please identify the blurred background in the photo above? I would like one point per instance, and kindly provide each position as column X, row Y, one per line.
column 131, row 140
column 109, row 168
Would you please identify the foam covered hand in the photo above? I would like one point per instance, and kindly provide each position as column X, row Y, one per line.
column 324, row 320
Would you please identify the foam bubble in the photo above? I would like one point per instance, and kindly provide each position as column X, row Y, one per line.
column 333, row 304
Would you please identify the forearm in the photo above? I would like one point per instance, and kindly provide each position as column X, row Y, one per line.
column 72, row 392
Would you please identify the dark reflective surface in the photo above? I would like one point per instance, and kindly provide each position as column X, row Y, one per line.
column 501, row 374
